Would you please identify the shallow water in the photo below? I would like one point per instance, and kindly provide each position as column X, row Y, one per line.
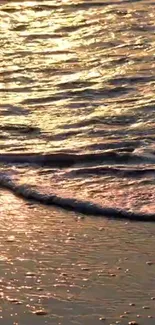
column 77, row 78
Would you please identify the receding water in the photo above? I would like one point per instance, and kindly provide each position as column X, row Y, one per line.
column 77, row 85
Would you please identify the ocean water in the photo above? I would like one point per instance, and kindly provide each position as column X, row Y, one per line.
column 77, row 85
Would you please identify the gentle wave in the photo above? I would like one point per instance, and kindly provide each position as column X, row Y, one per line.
column 112, row 171
column 70, row 204
column 69, row 159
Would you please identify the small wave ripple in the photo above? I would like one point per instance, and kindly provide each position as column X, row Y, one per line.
column 69, row 159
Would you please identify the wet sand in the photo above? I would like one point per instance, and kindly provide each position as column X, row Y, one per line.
column 61, row 268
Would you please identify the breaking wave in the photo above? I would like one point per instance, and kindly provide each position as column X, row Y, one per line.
column 71, row 204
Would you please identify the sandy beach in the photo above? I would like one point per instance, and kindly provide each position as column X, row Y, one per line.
column 61, row 268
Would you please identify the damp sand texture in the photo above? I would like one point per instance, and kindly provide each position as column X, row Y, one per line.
column 61, row 268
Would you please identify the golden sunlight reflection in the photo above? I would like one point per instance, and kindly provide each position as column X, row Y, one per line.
column 77, row 121
column 57, row 43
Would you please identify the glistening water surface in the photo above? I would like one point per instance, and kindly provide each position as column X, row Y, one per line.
column 77, row 80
